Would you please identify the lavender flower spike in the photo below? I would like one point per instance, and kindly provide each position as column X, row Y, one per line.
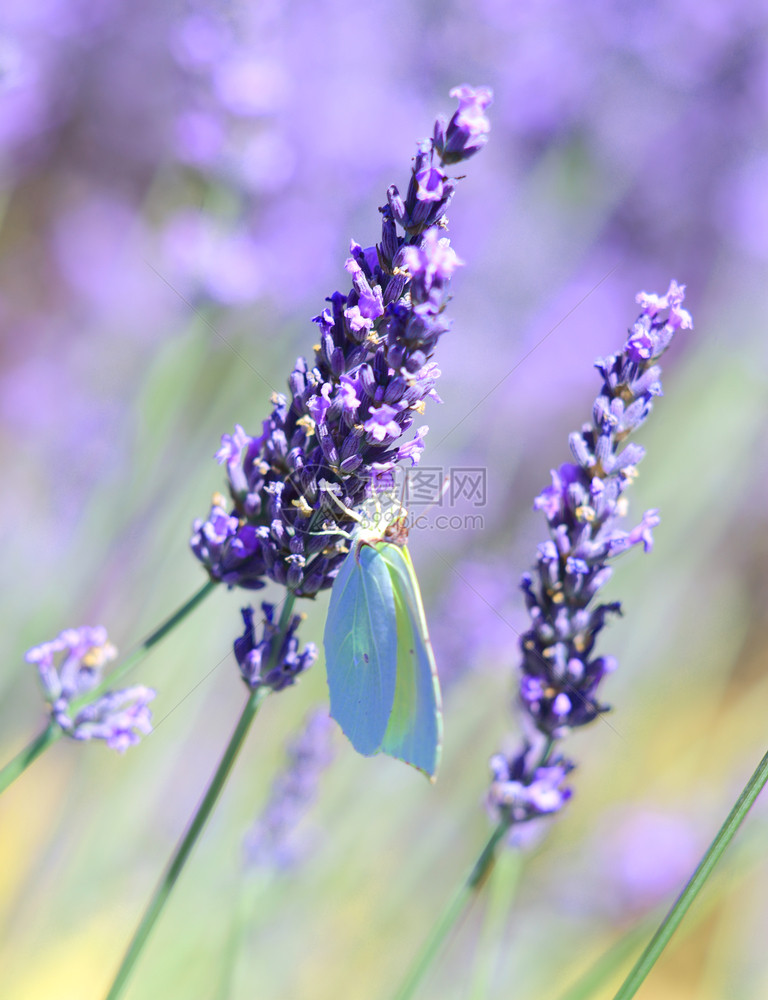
column 560, row 675
column 273, row 841
column 346, row 421
column 119, row 718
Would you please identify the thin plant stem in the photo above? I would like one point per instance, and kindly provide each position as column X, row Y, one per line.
column 198, row 821
column 246, row 917
column 232, row 950
column 459, row 902
column 606, row 966
column 456, row 906
column 707, row 864
column 742, row 863
column 18, row 764
column 152, row 639
column 184, row 848
column 493, row 942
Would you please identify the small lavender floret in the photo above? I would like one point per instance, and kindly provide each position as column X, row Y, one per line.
column 84, row 652
column 272, row 842
column 560, row 674
column 119, row 718
column 467, row 131
column 253, row 653
column 521, row 791
column 347, row 420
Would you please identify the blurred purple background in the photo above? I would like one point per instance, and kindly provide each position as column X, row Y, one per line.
column 159, row 157
column 178, row 186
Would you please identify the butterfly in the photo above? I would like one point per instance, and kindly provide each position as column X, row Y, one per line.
column 382, row 677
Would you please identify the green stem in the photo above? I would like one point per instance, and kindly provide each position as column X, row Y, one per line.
column 28, row 755
column 152, row 639
column 493, row 942
column 204, row 810
column 456, row 906
column 716, row 849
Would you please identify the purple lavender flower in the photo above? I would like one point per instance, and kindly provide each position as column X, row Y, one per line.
column 525, row 790
column 119, row 718
column 468, row 130
column 253, row 653
column 560, row 675
column 343, row 427
column 273, row 842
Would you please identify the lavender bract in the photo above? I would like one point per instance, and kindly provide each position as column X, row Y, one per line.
column 345, row 421
column 560, row 676
column 119, row 718
column 252, row 653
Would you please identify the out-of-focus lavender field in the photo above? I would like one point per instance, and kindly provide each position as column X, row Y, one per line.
column 178, row 187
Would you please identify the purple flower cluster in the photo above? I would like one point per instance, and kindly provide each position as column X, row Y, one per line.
column 522, row 788
column 272, row 842
column 119, row 718
column 254, row 654
column 344, row 424
column 560, row 675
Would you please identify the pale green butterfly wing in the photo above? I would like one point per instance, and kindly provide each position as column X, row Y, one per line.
column 414, row 733
column 361, row 647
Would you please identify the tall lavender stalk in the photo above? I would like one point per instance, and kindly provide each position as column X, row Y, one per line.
column 342, row 429
column 559, row 673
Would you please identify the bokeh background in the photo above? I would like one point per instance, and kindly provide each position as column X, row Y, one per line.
column 179, row 186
